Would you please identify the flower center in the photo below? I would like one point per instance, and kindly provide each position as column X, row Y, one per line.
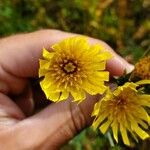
column 69, row 67
column 121, row 101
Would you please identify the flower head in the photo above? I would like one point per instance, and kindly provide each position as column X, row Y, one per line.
column 142, row 68
column 73, row 67
column 123, row 110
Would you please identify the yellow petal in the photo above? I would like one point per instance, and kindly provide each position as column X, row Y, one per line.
column 47, row 81
column 104, row 56
column 142, row 114
column 130, row 85
column 56, row 47
column 100, row 119
column 103, row 75
column 78, row 94
column 117, row 91
column 74, row 44
column 64, row 95
column 54, row 96
column 124, row 135
column 44, row 64
column 47, row 55
column 100, row 66
column 95, row 87
column 144, row 100
column 134, row 126
column 96, row 109
column 141, row 133
column 42, row 72
column 92, row 89
column 46, row 91
column 81, row 43
column 133, row 134
column 142, row 123
column 104, row 127
column 96, row 82
column 115, row 130
column 95, row 49
column 141, row 82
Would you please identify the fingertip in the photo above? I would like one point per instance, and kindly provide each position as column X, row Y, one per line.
column 117, row 66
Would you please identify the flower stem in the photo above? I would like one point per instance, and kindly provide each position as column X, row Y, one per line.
column 111, row 141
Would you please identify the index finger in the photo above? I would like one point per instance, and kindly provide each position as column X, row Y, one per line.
column 19, row 57
column 20, row 54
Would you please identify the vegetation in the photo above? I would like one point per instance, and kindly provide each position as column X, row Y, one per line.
column 123, row 24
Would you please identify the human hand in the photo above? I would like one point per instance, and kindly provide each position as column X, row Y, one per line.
column 58, row 122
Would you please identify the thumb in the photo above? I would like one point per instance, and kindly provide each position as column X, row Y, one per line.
column 51, row 127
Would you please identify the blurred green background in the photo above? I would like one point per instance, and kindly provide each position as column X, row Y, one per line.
column 123, row 24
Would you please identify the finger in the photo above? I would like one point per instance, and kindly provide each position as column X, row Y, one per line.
column 52, row 127
column 10, row 113
column 19, row 57
column 20, row 54
column 117, row 65
column 25, row 101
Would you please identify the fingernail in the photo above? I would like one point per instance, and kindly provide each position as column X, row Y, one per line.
column 124, row 65
column 130, row 68
column 117, row 66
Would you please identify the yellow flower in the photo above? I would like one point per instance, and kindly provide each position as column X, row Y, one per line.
column 142, row 68
column 73, row 67
column 124, row 110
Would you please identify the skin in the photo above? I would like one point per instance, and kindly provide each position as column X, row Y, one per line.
column 57, row 123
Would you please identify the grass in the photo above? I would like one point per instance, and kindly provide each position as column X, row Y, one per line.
column 124, row 25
